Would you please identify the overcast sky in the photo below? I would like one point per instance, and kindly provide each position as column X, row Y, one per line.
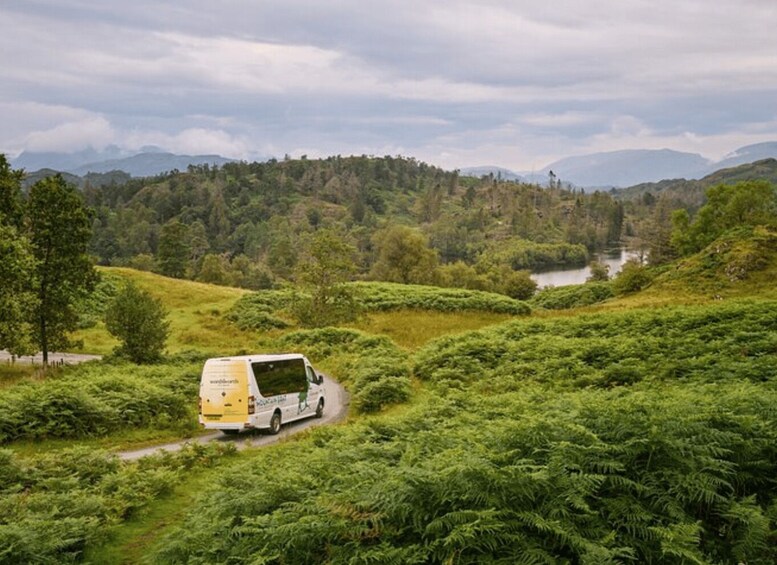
column 513, row 83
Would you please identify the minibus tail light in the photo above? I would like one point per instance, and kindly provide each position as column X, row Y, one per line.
column 251, row 404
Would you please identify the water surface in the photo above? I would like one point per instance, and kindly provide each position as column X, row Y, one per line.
column 577, row 275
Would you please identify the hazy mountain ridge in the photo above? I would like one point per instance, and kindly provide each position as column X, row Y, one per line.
column 149, row 162
column 630, row 167
column 627, row 167
column 613, row 169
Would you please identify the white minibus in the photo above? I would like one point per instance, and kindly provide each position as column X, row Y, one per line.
column 259, row 391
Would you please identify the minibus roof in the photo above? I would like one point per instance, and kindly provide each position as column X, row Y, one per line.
column 261, row 357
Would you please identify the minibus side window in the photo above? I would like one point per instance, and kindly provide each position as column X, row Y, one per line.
column 280, row 377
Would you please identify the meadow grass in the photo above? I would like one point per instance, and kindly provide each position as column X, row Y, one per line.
column 135, row 540
column 12, row 374
column 194, row 311
column 412, row 329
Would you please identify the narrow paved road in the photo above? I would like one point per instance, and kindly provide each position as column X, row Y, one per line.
column 54, row 358
column 336, row 409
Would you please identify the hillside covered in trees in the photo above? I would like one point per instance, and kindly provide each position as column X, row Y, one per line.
column 246, row 223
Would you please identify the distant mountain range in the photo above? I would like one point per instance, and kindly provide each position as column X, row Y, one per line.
column 614, row 169
column 149, row 162
column 631, row 167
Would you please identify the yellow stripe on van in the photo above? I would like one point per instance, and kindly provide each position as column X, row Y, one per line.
column 224, row 391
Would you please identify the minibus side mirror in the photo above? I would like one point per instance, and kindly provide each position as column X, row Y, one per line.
column 320, row 380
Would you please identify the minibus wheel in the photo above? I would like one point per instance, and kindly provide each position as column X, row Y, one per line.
column 320, row 408
column 275, row 423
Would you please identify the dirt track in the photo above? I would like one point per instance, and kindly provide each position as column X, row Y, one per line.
column 336, row 409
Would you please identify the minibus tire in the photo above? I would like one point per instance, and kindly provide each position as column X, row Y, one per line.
column 275, row 423
column 320, row 408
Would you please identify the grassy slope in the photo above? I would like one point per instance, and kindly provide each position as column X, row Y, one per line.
column 411, row 329
column 194, row 313
column 194, row 325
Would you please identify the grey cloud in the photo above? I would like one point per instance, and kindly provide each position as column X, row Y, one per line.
column 448, row 80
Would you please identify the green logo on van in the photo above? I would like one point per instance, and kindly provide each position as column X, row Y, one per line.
column 303, row 402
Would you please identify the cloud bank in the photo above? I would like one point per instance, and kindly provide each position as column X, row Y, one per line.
column 510, row 83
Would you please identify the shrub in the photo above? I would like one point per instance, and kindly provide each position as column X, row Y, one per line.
column 392, row 296
column 91, row 306
column 381, row 392
column 519, row 285
column 632, row 277
column 96, row 398
column 260, row 310
column 573, row 296
column 600, row 272
column 52, row 507
column 374, row 368
column 137, row 319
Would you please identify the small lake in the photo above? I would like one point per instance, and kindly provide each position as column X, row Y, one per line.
column 578, row 275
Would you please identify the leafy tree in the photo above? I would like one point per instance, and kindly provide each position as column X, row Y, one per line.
column 282, row 254
column 325, row 267
column 746, row 203
column 212, row 270
column 519, row 285
column 403, row 256
column 632, row 277
column 681, row 236
column 60, row 228
column 17, row 266
column 17, row 301
column 599, row 272
column 139, row 321
column 173, row 253
column 10, row 194
column 250, row 274
column 461, row 275
column 142, row 262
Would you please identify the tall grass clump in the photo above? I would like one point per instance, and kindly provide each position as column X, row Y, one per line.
column 264, row 310
column 95, row 399
column 591, row 476
column 572, row 296
column 375, row 370
column 714, row 344
column 380, row 296
column 54, row 506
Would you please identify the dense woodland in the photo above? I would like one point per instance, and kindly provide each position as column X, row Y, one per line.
column 245, row 223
